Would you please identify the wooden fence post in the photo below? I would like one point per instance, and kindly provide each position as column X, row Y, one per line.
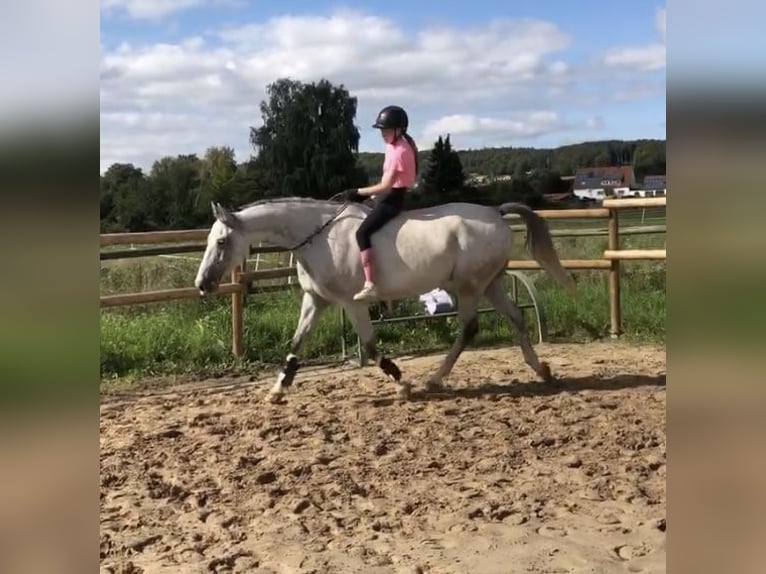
column 237, row 305
column 614, row 275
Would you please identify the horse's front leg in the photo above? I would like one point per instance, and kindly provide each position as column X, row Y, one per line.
column 311, row 308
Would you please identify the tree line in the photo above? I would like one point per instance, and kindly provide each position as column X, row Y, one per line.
column 307, row 145
column 646, row 156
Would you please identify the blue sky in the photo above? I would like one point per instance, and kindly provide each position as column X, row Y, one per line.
column 178, row 76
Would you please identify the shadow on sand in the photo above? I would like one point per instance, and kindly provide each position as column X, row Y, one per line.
column 529, row 389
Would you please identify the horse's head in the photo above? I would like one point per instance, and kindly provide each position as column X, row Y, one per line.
column 227, row 245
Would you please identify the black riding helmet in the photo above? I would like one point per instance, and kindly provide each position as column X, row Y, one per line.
column 392, row 117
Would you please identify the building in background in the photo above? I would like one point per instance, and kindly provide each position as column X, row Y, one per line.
column 654, row 186
column 596, row 183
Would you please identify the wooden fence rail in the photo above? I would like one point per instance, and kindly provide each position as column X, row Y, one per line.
column 240, row 281
column 175, row 249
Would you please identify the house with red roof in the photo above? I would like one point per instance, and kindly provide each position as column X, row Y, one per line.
column 596, row 183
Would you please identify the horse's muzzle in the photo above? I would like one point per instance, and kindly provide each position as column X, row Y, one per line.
column 205, row 286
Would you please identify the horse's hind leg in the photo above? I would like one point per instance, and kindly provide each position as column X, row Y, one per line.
column 468, row 305
column 360, row 318
column 311, row 308
column 499, row 299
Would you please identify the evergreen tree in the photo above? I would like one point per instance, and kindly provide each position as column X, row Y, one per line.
column 444, row 179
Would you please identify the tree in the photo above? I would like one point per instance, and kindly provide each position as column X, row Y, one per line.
column 521, row 189
column 175, row 185
column 250, row 183
column 646, row 156
column 649, row 159
column 545, row 181
column 518, row 189
column 444, row 179
column 217, row 168
column 125, row 194
column 217, row 172
column 308, row 140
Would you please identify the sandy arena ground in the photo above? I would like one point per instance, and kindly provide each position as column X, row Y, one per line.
column 505, row 475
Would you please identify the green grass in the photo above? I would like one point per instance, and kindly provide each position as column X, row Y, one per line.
column 194, row 337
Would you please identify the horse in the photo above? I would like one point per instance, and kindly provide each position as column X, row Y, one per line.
column 460, row 247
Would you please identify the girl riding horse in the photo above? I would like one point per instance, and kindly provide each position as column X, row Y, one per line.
column 400, row 168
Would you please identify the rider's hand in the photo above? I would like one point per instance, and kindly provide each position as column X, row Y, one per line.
column 353, row 195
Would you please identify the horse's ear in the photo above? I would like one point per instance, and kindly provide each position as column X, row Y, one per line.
column 226, row 217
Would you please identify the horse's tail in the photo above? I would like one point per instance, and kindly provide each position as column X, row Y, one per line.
column 539, row 243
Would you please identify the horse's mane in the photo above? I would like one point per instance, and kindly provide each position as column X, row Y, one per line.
column 295, row 199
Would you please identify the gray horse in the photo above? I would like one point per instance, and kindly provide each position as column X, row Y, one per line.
column 460, row 247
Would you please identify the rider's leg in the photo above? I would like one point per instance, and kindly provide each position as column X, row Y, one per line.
column 380, row 215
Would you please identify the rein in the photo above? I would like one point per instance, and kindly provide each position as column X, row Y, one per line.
column 322, row 227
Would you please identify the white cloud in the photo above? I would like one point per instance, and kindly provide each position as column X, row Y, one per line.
column 467, row 130
column 594, row 123
column 660, row 23
column 216, row 81
column 633, row 91
column 384, row 63
column 381, row 64
column 156, row 9
column 473, row 127
column 147, row 9
column 646, row 57
column 225, row 74
column 151, row 135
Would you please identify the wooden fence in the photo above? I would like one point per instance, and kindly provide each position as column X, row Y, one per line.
column 240, row 280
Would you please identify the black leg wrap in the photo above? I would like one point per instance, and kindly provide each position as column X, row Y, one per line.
column 470, row 330
column 289, row 370
column 390, row 368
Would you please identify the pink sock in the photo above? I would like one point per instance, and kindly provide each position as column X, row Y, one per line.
column 367, row 265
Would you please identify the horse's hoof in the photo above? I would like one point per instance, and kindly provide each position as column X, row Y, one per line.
column 275, row 397
column 546, row 374
column 434, row 386
column 404, row 392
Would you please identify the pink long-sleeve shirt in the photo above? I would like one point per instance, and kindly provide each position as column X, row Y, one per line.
column 400, row 157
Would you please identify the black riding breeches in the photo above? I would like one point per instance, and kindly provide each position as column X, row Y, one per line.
column 385, row 210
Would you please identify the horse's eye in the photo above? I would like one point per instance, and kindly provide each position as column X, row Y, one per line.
column 222, row 241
